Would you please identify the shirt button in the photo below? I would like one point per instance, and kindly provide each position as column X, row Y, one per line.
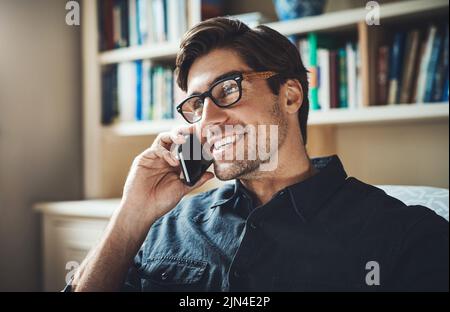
column 253, row 225
column 236, row 274
column 164, row 276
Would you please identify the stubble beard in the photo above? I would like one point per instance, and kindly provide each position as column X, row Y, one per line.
column 249, row 168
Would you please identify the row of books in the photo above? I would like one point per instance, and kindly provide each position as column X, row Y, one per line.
column 334, row 72
column 134, row 91
column 414, row 67
column 124, row 23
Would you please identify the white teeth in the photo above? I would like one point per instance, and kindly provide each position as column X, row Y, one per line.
column 226, row 141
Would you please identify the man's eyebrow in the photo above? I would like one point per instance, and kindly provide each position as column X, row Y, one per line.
column 220, row 77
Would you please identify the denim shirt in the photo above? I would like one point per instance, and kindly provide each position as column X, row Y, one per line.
column 317, row 235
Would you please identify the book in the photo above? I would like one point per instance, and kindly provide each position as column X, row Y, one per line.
column 324, row 78
column 120, row 23
column 106, row 25
column 158, row 20
column 133, row 23
column 351, row 75
column 445, row 93
column 109, row 94
column 146, row 92
column 432, row 67
column 410, row 62
column 423, row 69
column 383, row 75
column 342, row 68
column 359, row 78
column 142, row 21
column 334, row 80
column 395, row 68
column 138, row 90
column 313, row 79
column 126, row 73
column 442, row 70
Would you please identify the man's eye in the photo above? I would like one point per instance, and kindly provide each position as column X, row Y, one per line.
column 229, row 89
column 197, row 104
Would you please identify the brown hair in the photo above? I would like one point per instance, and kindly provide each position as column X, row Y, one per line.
column 262, row 49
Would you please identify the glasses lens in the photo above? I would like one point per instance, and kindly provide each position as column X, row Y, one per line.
column 192, row 109
column 226, row 93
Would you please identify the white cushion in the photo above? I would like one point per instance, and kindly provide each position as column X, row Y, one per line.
column 431, row 197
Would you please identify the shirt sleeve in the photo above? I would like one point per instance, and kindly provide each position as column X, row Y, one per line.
column 423, row 259
column 132, row 281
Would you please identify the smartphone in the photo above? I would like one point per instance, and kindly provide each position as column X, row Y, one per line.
column 193, row 159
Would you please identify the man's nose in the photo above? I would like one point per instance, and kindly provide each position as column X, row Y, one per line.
column 211, row 115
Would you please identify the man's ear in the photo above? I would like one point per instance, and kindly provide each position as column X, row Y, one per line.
column 294, row 95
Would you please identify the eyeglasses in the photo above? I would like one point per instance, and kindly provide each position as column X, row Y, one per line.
column 223, row 93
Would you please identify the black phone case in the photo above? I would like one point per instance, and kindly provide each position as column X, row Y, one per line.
column 193, row 164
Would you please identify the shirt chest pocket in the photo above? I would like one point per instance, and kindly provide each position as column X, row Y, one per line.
column 173, row 274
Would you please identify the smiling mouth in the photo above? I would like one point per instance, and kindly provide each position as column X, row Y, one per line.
column 225, row 143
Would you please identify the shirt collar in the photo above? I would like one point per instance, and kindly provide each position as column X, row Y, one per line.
column 310, row 195
column 306, row 196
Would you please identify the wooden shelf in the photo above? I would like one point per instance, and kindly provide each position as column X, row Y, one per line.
column 330, row 21
column 381, row 114
column 167, row 50
column 373, row 114
column 142, row 127
column 348, row 18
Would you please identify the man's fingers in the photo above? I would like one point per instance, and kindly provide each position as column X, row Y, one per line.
column 177, row 136
column 158, row 151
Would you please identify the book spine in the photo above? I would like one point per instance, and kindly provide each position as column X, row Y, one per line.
column 351, row 75
column 383, row 79
column 124, row 23
column 117, row 22
column 395, row 68
column 145, row 89
column 432, row 67
column 313, row 79
column 132, row 22
column 138, row 90
column 445, row 93
column 334, row 80
column 422, row 80
column 342, row 78
column 324, row 78
column 441, row 70
column 142, row 21
column 412, row 50
column 359, row 78
column 108, row 29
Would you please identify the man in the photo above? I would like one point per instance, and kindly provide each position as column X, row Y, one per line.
column 301, row 226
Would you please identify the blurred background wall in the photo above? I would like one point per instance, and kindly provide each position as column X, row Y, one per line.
column 40, row 128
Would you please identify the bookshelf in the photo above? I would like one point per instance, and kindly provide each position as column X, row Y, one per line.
column 96, row 136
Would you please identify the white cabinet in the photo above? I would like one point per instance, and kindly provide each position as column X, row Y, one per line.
column 69, row 231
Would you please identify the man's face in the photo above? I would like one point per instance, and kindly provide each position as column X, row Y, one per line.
column 257, row 106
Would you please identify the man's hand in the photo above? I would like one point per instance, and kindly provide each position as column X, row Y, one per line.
column 153, row 186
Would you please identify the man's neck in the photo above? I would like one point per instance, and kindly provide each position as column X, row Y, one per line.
column 294, row 169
